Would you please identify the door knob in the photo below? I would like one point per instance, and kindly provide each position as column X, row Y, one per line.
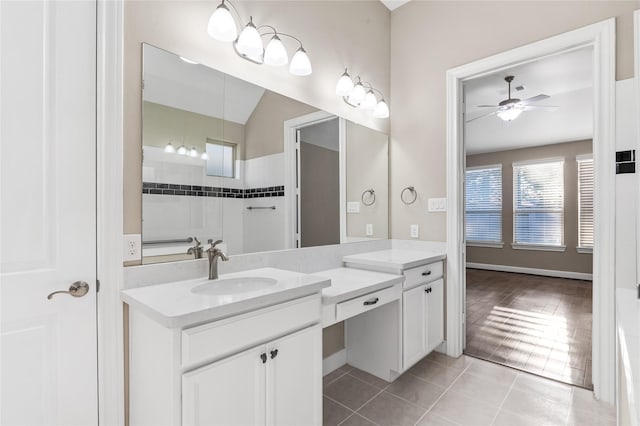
column 77, row 289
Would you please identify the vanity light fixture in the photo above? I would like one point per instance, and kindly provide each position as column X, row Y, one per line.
column 193, row 152
column 182, row 150
column 169, row 148
column 189, row 61
column 248, row 45
column 204, row 156
column 360, row 94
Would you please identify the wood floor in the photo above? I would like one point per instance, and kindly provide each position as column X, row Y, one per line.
column 538, row 324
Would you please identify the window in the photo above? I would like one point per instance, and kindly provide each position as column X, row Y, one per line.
column 538, row 204
column 585, row 203
column 483, row 204
column 221, row 158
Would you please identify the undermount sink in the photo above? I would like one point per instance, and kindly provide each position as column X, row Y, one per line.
column 233, row 285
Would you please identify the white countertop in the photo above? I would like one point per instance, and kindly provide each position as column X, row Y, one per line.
column 395, row 260
column 174, row 305
column 628, row 325
column 348, row 283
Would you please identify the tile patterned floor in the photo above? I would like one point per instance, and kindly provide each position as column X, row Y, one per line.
column 443, row 391
column 539, row 324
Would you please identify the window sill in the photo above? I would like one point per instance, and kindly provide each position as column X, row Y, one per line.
column 585, row 250
column 537, row 247
column 485, row 244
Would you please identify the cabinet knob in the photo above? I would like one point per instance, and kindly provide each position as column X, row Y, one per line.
column 263, row 357
column 274, row 353
column 427, row 290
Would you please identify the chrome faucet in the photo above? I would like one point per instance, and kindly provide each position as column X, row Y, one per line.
column 196, row 250
column 215, row 253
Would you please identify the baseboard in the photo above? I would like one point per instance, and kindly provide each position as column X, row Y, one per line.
column 334, row 361
column 532, row 271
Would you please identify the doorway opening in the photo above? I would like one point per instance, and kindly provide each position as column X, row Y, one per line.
column 601, row 37
column 529, row 216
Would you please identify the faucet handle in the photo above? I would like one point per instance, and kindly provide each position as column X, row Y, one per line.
column 197, row 241
column 214, row 243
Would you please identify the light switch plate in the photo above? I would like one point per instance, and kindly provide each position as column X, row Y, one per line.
column 415, row 231
column 132, row 247
column 369, row 229
column 437, row 204
column 353, row 207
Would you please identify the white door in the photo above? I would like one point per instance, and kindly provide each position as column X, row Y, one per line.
column 435, row 314
column 48, row 224
column 414, row 323
column 228, row 392
column 294, row 379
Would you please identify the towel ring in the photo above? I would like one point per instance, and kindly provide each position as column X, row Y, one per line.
column 413, row 191
column 372, row 195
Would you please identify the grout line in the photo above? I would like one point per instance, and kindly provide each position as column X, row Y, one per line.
column 566, row 419
column 505, row 399
column 445, row 391
column 339, row 403
column 340, row 376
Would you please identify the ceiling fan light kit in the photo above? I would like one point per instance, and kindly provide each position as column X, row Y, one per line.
column 511, row 108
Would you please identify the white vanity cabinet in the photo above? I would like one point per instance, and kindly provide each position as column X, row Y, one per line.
column 262, row 367
column 273, row 384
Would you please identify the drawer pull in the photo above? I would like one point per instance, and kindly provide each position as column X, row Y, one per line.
column 371, row 302
column 274, row 353
column 263, row 357
column 426, row 273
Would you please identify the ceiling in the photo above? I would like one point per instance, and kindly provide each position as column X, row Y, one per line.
column 168, row 80
column 394, row 4
column 566, row 77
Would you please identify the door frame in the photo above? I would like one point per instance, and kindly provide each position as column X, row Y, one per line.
column 291, row 213
column 109, row 139
column 601, row 36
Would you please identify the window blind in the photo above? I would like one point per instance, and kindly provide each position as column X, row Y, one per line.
column 538, row 203
column 585, row 202
column 483, row 204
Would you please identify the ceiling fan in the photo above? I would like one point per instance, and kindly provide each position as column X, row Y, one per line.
column 510, row 108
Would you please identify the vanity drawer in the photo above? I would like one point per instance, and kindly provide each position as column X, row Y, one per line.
column 224, row 337
column 367, row 302
column 422, row 274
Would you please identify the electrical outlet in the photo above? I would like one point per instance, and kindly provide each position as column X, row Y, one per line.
column 353, row 207
column 415, row 231
column 132, row 247
column 369, row 229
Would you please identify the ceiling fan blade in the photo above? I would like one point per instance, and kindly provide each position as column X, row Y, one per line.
column 534, row 99
column 486, row 106
column 550, row 108
column 481, row 116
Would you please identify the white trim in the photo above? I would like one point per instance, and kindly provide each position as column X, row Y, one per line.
column 532, row 271
column 485, row 244
column 636, row 31
column 585, row 250
column 334, row 361
column 537, row 247
column 488, row 166
column 342, row 158
column 290, row 159
column 602, row 37
column 110, row 18
column 584, row 157
column 538, row 161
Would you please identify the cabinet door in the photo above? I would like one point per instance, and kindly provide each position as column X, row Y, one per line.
column 294, row 379
column 435, row 315
column 414, row 323
column 228, row 392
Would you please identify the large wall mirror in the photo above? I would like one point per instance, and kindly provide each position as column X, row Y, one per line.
column 224, row 159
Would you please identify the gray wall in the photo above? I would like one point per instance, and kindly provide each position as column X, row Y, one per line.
column 570, row 259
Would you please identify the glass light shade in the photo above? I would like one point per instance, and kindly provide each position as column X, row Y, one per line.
column 275, row 54
column 221, row 25
column 193, row 152
column 357, row 94
column 381, row 110
column 250, row 42
column 204, row 156
column 509, row 114
column 169, row 148
column 189, row 61
column 300, row 63
column 345, row 85
column 182, row 150
column 369, row 101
